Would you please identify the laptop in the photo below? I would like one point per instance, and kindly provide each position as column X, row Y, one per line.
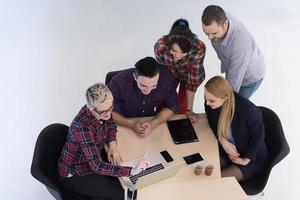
column 159, row 170
column 182, row 131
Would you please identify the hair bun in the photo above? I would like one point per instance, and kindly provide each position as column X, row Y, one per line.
column 181, row 23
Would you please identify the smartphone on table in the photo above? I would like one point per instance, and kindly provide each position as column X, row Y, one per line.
column 190, row 159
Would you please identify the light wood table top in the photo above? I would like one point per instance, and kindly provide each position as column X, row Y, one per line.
column 212, row 189
column 133, row 146
column 185, row 184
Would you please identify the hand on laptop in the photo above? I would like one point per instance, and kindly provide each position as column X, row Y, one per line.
column 141, row 166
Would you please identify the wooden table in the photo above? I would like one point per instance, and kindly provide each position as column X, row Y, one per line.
column 212, row 189
column 133, row 146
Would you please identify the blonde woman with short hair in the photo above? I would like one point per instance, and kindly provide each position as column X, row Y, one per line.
column 83, row 165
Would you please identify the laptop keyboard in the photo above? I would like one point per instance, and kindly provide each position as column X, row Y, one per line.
column 147, row 171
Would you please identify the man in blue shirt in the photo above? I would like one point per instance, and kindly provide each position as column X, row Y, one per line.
column 241, row 58
column 146, row 90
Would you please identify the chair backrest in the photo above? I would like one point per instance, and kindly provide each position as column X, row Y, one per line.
column 109, row 76
column 274, row 136
column 277, row 146
column 46, row 153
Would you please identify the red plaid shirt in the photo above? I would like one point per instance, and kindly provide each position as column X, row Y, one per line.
column 189, row 69
column 81, row 154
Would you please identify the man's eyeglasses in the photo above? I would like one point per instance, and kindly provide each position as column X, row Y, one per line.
column 103, row 112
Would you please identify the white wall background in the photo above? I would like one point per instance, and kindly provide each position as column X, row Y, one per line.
column 52, row 50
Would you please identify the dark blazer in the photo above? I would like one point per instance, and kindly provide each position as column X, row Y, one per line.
column 247, row 128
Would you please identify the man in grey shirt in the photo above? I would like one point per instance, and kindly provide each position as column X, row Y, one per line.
column 241, row 59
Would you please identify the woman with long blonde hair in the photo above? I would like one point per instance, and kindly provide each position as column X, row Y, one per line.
column 238, row 125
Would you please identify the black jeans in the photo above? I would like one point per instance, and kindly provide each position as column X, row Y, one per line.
column 95, row 186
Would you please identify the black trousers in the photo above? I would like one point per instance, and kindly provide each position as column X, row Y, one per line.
column 95, row 186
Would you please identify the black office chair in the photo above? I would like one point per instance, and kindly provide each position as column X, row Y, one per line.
column 278, row 149
column 109, row 76
column 44, row 163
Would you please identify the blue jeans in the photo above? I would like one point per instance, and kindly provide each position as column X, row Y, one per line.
column 247, row 90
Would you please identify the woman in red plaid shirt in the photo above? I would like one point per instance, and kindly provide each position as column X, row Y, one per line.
column 183, row 53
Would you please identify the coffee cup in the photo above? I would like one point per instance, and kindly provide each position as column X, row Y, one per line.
column 209, row 169
column 198, row 169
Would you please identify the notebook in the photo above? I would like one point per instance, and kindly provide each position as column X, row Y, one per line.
column 182, row 131
column 159, row 170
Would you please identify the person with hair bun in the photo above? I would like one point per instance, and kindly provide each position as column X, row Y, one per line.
column 238, row 125
column 183, row 53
